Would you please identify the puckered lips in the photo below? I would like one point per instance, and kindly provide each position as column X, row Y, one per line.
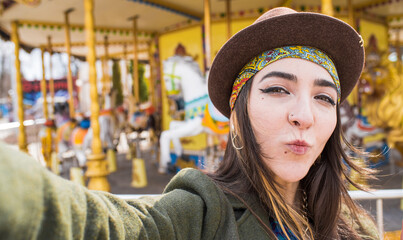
column 298, row 147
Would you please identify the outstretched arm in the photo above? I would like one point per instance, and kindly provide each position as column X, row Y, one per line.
column 36, row 204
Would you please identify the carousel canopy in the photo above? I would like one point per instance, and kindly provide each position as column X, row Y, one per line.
column 39, row 19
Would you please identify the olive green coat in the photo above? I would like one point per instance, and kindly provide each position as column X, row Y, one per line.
column 36, row 204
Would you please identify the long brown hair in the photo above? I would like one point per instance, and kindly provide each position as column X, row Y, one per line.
column 242, row 171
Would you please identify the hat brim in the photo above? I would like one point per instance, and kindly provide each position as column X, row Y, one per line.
column 336, row 38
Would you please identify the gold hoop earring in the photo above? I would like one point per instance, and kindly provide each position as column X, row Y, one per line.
column 233, row 137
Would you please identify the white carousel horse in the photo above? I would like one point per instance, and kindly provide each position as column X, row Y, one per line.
column 182, row 75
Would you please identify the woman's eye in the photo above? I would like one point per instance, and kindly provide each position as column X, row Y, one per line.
column 326, row 99
column 278, row 90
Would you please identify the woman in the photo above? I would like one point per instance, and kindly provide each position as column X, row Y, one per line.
column 282, row 173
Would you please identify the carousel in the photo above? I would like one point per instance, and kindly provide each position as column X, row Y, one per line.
column 141, row 80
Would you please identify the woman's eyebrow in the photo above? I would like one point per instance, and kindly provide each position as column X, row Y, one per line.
column 284, row 75
column 325, row 83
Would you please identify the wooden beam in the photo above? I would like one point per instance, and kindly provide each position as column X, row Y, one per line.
column 170, row 7
column 81, row 27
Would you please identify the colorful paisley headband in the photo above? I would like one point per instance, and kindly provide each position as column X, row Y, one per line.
column 265, row 58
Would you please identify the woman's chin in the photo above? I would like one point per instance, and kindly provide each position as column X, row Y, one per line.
column 291, row 175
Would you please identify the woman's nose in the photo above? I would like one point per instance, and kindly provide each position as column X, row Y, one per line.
column 301, row 115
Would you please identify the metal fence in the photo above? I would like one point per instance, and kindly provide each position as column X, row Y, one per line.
column 32, row 129
column 379, row 196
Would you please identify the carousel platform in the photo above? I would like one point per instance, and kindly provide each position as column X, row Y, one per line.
column 120, row 180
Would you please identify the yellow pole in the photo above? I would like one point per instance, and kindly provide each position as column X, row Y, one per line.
column 22, row 141
column 97, row 166
column 47, row 141
column 51, row 81
column 69, row 75
column 152, row 69
column 351, row 13
column 43, row 86
column 207, row 32
column 135, row 74
column 228, row 8
column 327, row 7
column 353, row 97
column 398, row 52
column 105, row 72
column 127, row 90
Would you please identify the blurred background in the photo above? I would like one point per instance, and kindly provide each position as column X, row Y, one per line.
column 96, row 90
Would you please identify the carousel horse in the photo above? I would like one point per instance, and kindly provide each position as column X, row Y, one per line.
column 107, row 128
column 183, row 78
column 77, row 138
column 359, row 132
column 63, row 136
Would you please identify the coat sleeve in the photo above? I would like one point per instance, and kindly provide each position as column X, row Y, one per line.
column 36, row 204
column 366, row 229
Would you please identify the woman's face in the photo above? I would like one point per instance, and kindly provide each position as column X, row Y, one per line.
column 292, row 109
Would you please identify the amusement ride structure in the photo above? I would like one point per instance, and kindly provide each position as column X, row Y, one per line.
column 177, row 40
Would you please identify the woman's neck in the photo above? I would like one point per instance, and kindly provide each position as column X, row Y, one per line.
column 288, row 191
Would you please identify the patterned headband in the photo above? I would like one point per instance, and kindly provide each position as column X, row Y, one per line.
column 265, row 58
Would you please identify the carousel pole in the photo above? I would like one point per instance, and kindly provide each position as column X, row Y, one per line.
column 327, row 7
column 207, row 32
column 135, row 74
column 51, row 81
column 139, row 175
column 127, row 92
column 105, row 77
column 228, row 9
column 47, row 140
column 152, row 69
column 53, row 156
column 157, row 75
column 398, row 51
column 22, row 141
column 353, row 97
column 107, row 85
column 97, row 166
column 69, row 74
column 351, row 13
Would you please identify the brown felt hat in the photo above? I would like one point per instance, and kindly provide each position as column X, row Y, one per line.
column 280, row 27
